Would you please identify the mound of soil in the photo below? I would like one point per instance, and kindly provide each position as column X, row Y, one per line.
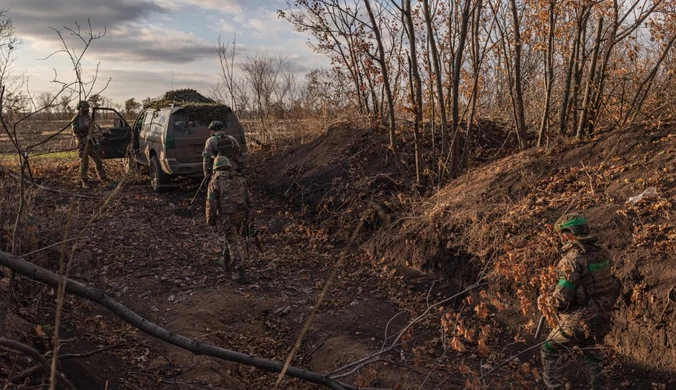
column 350, row 169
column 334, row 177
column 495, row 223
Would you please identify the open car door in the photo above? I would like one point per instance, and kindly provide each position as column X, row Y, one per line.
column 115, row 140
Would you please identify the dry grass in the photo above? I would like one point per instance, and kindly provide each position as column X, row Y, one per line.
column 276, row 134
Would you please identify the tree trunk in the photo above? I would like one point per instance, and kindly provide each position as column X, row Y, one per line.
column 582, row 126
column 549, row 73
column 416, row 94
column 455, row 99
column 476, row 65
column 580, row 60
column 436, row 68
column 518, row 88
column 563, row 117
column 644, row 87
column 384, row 70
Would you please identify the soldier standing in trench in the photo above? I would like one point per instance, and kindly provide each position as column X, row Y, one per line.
column 583, row 301
column 81, row 125
column 220, row 144
column 228, row 202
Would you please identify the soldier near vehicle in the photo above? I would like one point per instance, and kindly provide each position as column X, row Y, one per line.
column 228, row 202
column 582, row 301
column 220, row 144
column 82, row 125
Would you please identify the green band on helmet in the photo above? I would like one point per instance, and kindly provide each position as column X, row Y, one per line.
column 579, row 221
column 212, row 197
column 593, row 267
column 549, row 347
column 566, row 284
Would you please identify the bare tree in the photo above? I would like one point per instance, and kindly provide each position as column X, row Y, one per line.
column 549, row 70
column 384, row 68
column 584, row 116
column 416, row 89
column 437, row 70
column 64, row 103
column 46, row 100
column 518, row 82
column 262, row 73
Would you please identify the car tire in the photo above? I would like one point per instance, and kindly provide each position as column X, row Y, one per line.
column 159, row 181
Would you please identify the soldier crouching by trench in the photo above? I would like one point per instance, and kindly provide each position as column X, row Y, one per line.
column 582, row 301
column 82, row 124
column 228, row 201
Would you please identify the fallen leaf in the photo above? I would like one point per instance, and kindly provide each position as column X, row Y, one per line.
column 457, row 345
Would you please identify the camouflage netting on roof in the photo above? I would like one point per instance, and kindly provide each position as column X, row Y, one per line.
column 197, row 107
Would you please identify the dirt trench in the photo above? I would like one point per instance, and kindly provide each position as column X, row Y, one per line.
column 154, row 253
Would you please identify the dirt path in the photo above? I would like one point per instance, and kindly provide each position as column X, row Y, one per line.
column 155, row 253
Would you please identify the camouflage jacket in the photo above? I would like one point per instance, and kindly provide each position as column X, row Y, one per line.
column 220, row 144
column 81, row 125
column 585, row 277
column 227, row 195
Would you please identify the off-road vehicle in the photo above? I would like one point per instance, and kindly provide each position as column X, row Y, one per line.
column 168, row 140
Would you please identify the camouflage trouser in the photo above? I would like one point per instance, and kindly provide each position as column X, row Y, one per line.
column 576, row 337
column 84, row 160
column 232, row 256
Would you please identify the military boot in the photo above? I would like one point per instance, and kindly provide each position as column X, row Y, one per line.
column 240, row 276
column 225, row 260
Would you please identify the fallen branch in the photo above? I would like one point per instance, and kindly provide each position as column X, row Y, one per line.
column 42, row 275
column 44, row 364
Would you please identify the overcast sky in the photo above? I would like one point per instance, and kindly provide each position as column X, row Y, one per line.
column 148, row 40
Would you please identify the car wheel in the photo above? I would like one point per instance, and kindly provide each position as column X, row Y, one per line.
column 159, row 181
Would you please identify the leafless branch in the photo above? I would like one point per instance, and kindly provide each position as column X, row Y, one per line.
column 32, row 370
column 32, row 353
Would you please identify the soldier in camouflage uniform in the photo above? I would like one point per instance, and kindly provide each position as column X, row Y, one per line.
column 220, row 144
column 81, row 124
column 583, row 300
column 228, row 202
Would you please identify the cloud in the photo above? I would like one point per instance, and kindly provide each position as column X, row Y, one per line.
column 137, row 41
column 128, row 35
column 34, row 17
column 231, row 7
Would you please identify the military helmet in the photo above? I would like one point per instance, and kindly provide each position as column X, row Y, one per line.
column 216, row 126
column 573, row 223
column 82, row 104
column 221, row 162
